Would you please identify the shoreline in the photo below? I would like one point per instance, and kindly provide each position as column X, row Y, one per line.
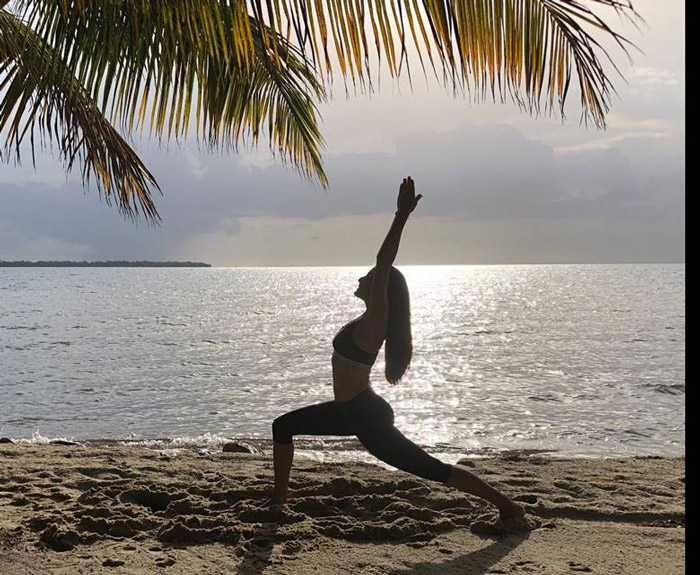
column 121, row 509
column 326, row 448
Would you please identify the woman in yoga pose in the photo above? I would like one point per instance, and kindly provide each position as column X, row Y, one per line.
column 357, row 409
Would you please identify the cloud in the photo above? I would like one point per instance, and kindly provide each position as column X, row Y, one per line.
column 195, row 165
column 485, row 177
column 515, row 189
column 648, row 76
column 354, row 240
column 609, row 142
column 47, row 248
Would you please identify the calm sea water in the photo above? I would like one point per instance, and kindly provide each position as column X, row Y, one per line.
column 581, row 360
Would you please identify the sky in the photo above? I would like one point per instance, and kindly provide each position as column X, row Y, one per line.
column 499, row 186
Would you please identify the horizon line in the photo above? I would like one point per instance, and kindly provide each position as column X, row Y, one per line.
column 82, row 263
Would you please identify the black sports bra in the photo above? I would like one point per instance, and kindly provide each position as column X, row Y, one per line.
column 345, row 347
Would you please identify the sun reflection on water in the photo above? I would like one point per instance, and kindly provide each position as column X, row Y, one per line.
column 584, row 359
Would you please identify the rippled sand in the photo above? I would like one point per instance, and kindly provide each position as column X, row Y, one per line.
column 73, row 510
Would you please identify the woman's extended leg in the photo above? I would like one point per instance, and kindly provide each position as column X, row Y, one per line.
column 464, row 480
column 320, row 419
column 394, row 448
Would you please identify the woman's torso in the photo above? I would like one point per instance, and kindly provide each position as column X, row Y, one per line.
column 351, row 364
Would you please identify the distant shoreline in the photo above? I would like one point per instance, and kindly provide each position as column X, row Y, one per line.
column 101, row 264
column 118, row 263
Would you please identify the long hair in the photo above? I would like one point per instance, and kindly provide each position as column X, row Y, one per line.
column 398, row 348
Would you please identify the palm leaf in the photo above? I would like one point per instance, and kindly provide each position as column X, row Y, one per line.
column 39, row 94
column 241, row 68
column 174, row 64
column 50, row 83
column 526, row 49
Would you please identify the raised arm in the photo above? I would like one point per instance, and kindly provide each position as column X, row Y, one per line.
column 369, row 333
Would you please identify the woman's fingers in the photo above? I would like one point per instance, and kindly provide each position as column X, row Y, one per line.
column 407, row 193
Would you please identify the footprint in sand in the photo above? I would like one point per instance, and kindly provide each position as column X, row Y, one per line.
column 291, row 548
column 519, row 482
column 527, row 566
column 526, row 498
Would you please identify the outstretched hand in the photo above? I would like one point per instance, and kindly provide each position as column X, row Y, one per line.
column 407, row 200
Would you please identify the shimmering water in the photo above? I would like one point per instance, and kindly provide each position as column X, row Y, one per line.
column 584, row 360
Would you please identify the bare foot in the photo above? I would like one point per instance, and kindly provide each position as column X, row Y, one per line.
column 505, row 525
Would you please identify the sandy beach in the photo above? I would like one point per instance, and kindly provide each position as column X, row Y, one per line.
column 71, row 510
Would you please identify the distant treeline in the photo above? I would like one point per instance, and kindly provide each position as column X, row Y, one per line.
column 106, row 264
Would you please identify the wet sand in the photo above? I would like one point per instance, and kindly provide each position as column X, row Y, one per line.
column 76, row 510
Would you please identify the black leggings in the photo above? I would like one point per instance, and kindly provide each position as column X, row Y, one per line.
column 371, row 419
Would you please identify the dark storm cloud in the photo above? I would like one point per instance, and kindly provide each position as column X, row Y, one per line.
column 473, row 173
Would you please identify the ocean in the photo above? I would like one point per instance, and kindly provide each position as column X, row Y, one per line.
column 568, row 360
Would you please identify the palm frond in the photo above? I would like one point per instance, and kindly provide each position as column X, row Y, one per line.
column 40, row 96
column 173, row 64
column 528, row 49
column 70, row 67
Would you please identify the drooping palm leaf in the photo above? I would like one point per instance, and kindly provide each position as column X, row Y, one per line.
column 40, row 94
column 241, row 67
column 162, row 62
column 529, row 49
column 146, row 77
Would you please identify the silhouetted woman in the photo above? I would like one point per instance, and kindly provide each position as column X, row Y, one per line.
column 357, row 409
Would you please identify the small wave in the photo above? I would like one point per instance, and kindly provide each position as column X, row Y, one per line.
column 483, row 332
column 39, row 439
column 321, row 449
column 570, row 433
column 586, row 396
column 672, row 389
column 547, row 397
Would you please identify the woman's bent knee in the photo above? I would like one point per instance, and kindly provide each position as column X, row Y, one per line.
column 281, row 432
